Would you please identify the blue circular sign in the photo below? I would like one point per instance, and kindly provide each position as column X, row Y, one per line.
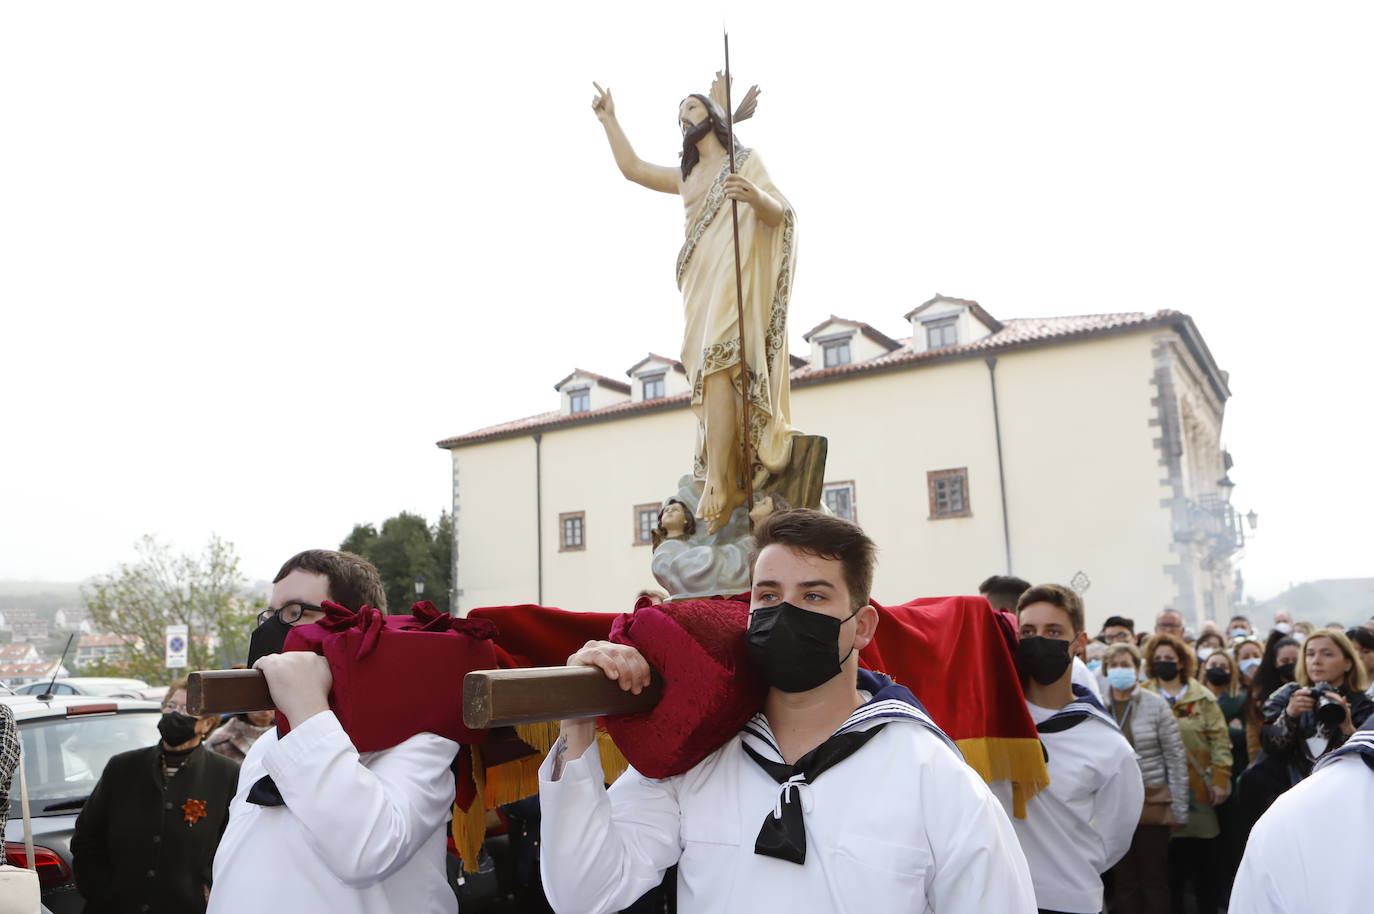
column 177, row 644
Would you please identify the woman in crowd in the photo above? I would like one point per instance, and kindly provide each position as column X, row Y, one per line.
column 1140, row 879
column 1277, row 668
column 1362, row 639
column 1308, row 718
column 1249, row 652
column 146, row 838
column 1305, row 719
column 1220, row 675
column 1208, row 643
column 1193, row 855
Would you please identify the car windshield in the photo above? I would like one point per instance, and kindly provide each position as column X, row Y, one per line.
column 63, row 758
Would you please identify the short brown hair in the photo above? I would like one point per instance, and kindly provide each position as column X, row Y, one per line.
column 353, row 581
column 827, row 537
column 1055, row 595
column 1186, row 662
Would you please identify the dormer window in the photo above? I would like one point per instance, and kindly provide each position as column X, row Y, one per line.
column 942, row 333
column 653, row 385
column 579, row 400
column 836, row 352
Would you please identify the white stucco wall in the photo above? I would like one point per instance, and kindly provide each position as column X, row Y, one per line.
column 1084, row 483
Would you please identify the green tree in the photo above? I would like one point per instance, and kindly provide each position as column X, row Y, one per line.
column 207, row 593
column 406, row 548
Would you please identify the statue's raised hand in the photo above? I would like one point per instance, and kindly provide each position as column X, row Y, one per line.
column 603, row 106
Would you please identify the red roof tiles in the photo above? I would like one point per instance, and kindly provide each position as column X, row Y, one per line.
column 1016, row 333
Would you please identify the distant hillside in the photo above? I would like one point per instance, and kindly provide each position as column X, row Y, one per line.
column 1349, row 601
column 47, row 596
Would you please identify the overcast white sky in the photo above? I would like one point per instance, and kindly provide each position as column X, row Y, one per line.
column 256, row 258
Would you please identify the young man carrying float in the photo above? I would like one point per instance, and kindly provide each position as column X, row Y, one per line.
column 316, row 825
column 763, row 823
column 1082, row 824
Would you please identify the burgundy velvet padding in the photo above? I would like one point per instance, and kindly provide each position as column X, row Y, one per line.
column 396, row 676
column 709, row 689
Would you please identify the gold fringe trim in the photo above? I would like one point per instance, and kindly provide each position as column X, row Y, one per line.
column 513, row 781
column 469, row 826
column 613, row 763
column 519, row 779
column 541, row 736
column 1001, row 758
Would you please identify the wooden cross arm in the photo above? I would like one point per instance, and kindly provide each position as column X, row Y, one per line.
column 503, row 698
column 227, row 692
column 491, row 698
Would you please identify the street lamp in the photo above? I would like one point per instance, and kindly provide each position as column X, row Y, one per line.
column 1252, row 519
column 1225, row 486
column 419, row 588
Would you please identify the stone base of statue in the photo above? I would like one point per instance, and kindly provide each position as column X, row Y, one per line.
column 691, row 562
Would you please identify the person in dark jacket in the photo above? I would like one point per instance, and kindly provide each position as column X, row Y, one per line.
column 1293, row 737
column 146, row 838
column 1294, row 731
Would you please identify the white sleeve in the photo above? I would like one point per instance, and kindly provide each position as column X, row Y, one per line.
column 1117, row 803
column 979, row 865
column 601, row 850
column 364, row 821
column 1267, row 863
column 1084, row 677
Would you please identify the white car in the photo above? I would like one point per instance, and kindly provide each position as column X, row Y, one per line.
column 88, row 685
column 66, row 742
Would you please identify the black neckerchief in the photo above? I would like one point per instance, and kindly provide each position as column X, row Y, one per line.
column 783, row 834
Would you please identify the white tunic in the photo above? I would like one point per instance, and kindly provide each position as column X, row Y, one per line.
column 1311, row 851
column 1082, row 824
column 901, row 825
column 359, row 834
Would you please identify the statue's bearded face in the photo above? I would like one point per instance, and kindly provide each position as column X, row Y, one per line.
column 691, row 113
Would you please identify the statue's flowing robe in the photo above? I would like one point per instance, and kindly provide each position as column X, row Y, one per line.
column 706, row 277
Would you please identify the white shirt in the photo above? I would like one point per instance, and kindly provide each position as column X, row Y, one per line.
column 359, row 834
column 1310, row 852
column 1079, row 826
column 903, row 824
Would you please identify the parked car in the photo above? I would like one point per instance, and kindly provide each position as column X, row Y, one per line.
column 89, row 685
column 66, row 742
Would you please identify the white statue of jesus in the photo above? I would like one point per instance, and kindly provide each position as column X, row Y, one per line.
column 706, row 277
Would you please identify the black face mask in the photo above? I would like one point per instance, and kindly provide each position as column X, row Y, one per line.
column 1217, row 676
column 1042, row 659
column 176, row 728
column 1287, row 671
column 1165, row 670
column 794, row 649
column 267, row 638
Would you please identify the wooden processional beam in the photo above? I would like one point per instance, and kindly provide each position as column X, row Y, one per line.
column 491, row 698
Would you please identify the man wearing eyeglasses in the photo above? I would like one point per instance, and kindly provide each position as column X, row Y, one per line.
column 146, row 838
column 316, row 825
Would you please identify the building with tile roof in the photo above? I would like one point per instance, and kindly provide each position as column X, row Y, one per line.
column 1082, row 448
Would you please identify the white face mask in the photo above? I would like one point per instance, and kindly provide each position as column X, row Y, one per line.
column 1282, row 628
column 1204, row 652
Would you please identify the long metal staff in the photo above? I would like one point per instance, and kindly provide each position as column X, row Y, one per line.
column 745, row 438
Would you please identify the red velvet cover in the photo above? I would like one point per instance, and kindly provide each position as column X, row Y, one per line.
column 957, row 655
column 530, row 635
column 396, row 676
column 709, row 688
